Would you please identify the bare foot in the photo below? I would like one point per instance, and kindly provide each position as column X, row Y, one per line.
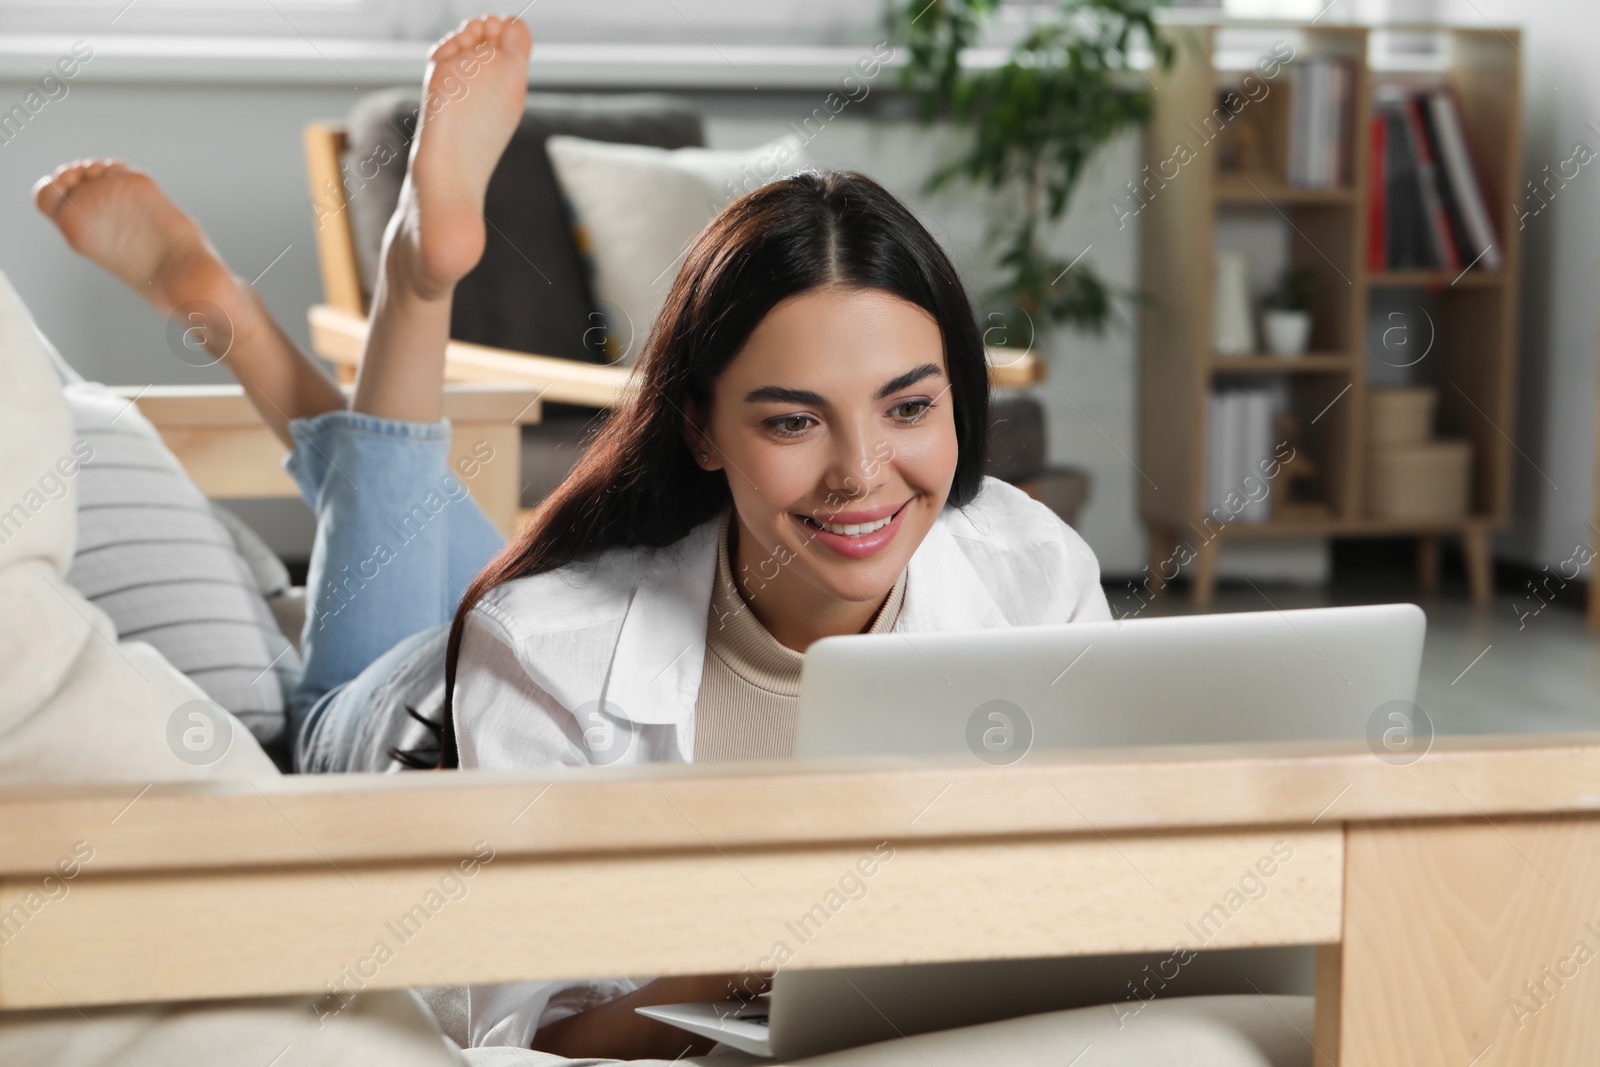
column 472, row 102
column 118, row 218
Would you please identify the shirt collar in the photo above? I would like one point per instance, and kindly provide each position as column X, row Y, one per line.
column 656, row 666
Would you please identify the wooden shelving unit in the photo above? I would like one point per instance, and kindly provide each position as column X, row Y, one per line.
column 1473, row 357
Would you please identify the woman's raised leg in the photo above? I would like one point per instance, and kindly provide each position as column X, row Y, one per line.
column 398, row 539
column 120, row 219
column 471, row 104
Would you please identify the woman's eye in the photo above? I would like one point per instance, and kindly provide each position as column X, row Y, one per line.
column 910, row 410
column 790, row 425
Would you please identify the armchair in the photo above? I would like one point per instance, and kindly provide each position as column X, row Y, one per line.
column 525, row 314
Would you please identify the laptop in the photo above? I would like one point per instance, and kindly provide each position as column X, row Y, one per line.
column 812, row 1012
column 1318, row 673
column 1002, row 695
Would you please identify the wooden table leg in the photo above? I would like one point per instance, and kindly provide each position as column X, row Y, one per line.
column 1203, row 576
column 1428, row 563
column 1325, row 1022
column 1161, row 567
column 1470, row 942
column 1480, row 565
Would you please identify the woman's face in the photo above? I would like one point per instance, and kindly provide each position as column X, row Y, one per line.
column 834, row 425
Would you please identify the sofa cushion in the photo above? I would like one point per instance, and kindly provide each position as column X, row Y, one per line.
column 528, row 293
column 154, row 556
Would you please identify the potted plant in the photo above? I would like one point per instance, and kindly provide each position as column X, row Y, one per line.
column 1286, row 318
column 1065, row 88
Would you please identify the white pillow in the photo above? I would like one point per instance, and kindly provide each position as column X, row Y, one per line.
column 636, row 208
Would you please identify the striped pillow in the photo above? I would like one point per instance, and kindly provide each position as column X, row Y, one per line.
column 153, row 557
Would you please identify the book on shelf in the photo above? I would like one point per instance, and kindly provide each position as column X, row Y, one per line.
column 1377, row 201
column 1440, row 242
column 1427, row 206
column 1239, row 449
column 1455, row 230
column 1404, row 240
column 1322, row 103
column 1468, row 193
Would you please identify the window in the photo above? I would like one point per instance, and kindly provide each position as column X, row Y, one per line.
column 819, row 22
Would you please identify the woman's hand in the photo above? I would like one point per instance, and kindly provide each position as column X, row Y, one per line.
column 616, row 1031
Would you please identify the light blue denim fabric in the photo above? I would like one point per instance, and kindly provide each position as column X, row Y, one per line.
column 398, row 541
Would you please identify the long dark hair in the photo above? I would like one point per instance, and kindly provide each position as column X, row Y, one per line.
column 637, row 483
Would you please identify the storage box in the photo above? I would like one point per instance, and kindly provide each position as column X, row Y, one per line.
column 1425, row 481
column 1400, row 415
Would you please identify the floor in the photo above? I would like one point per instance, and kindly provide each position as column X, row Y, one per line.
column 1516, row 665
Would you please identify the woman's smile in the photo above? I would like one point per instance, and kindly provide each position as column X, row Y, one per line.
column 856, row 534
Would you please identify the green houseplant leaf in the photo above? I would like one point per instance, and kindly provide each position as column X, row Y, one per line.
column 1066, row 88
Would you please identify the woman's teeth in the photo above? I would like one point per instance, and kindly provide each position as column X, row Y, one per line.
column 854, row 529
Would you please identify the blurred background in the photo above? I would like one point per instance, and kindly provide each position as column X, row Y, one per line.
column 213, row 99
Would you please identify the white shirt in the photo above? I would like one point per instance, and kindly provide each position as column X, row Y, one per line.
column 599, row 663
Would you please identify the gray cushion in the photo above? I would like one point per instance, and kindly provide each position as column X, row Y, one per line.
column 155, row 558
column 272, row 577
column 1064, row 490
column 1017, row 447
column 550, row 449
column 529, row 293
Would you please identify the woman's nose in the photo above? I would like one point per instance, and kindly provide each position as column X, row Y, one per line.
column 853, row 469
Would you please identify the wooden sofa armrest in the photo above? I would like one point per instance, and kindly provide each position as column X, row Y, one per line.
column 338, row 335
column 230, row 454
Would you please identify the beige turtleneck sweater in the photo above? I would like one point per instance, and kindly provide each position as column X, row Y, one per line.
column 750, row 683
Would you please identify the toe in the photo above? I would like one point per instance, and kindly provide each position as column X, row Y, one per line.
column 52, row 189
column 515, row 36
column 65, row 176
column 464, row 36
column 47, row 195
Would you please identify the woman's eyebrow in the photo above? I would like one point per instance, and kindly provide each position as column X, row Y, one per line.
column 782, row 395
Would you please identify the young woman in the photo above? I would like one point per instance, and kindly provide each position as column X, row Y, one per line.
column 802, row 456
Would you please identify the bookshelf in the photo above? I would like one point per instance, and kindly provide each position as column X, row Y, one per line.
column 1471, row 363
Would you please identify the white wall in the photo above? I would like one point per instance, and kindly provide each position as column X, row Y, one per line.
column 1561, row 276
column 230, row 155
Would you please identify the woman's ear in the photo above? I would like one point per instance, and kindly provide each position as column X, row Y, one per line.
column 706, row 454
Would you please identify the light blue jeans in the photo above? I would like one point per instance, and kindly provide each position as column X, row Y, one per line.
column 398, row 541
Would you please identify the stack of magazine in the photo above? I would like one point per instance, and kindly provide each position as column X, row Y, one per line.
column 1239, row 451
column 1427, row 209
